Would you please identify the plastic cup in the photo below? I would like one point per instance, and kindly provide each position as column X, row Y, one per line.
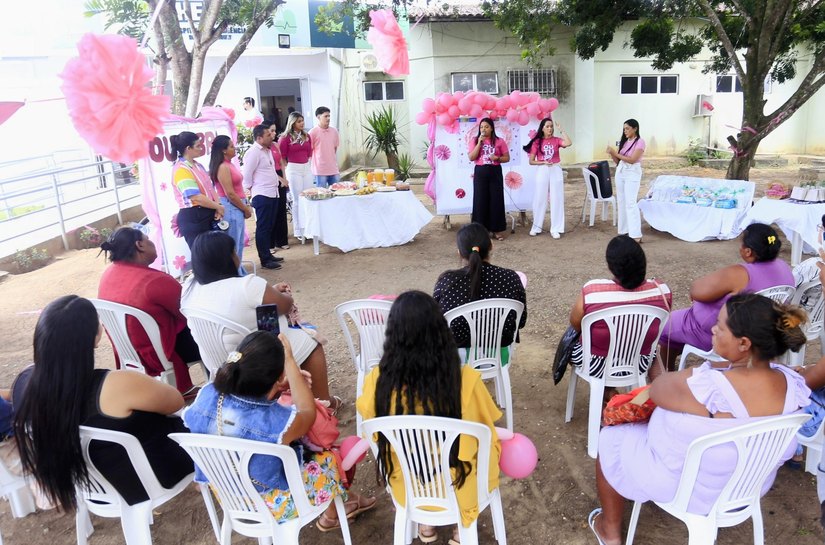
column 370, row 176
column 378, row 175
column 389, row 176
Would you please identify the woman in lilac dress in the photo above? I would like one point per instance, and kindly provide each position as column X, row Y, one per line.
column 761, row 270
column 643, row 461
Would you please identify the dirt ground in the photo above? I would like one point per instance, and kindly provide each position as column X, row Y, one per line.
column 552, row 505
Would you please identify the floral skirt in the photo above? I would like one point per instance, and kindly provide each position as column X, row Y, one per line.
column 321, row 481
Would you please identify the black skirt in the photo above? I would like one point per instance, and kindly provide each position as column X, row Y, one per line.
column 194, row 221
column 488, row 198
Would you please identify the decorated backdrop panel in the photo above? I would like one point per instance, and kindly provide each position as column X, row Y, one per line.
column 159, row 202
column 454, row 170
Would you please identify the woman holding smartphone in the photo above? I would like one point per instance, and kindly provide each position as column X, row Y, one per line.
column 488, row 152
column 628, row 161
column 544, row 152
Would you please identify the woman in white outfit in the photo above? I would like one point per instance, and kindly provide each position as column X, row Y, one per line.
column 544, row 153
column 628, row 159
column 296, row 149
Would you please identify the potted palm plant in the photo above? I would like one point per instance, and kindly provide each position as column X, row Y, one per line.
column 382, row 135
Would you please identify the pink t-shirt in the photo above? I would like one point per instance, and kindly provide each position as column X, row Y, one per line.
column 237, row 181
column 547, row 149
column 294, row 152
column 276, row 156
column 488, row 150
column 324, row 148
column 632, row 145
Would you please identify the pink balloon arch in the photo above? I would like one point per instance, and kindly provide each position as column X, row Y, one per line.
column 446, row 109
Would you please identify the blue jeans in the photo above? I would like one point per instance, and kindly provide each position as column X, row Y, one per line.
column 326, row 180
column 234, row 216
column 266, row 210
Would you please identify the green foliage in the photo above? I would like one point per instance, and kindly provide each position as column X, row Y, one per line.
column 19, row 211
column 382, row 131
column 131, row 15
column 30, row 260
column 91, row 237
column 425, row 147
column 335, row 17
column 406, row 164
column 696, row 151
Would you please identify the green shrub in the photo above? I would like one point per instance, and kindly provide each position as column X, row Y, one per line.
column 406, row 164
column 30, row 260
column 695, row 152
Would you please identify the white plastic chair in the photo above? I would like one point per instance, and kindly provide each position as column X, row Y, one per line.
column 628, row 325
column 813, row 448
column 225, row 463
column 759, row 447
column 113, row 316
column 486, row 319
column 370, row 319
column 208, row 330
column 101, row 498
column 591, row 181
column 780, row 294
column 422, row 445
column 16, row 490
column 813, row 328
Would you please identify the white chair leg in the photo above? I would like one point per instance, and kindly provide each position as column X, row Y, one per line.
column 812, row 456
column 136, row 522
column 210, row 509
column 508, row 396
column 699, row 531
column 400, row 530
column 22, row 502
column 341, row 510
column 604, row 210
column 592, row 212
column 468, row 536
column 497, row 513
column 758, row 528
column 571, row 396
column 83, row 523
column 226, row 530
column 584, row 208
column 613, row 210
column 634, row 520
column 594, row 417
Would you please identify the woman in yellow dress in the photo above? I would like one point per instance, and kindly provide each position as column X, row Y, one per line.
column 421, row 359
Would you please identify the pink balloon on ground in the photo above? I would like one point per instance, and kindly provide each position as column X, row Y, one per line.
column 554, row 103
column 519, row 457
column 353, row 450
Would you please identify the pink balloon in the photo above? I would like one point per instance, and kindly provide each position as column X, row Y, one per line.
column 480, row 99
column 512, row 116
column 524, row 100
column 505, row 103
column 458, row 95
column 519, row 457
column 428, row 105
column 490, row 104
column 444, row 119
column 554, row 103
column 464, row 105
column 515, row 94
column 476, row 110
column 422, row 117
column 523, row 118
column 493, row 115
column 544, row 104
column 501, row 113
column 353, row 450
column 533, row 109
column 445, row 100
column 453, row 111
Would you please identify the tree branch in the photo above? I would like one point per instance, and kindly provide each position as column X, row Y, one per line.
column 724, row 38
column 187, row 9
column 807, row 88
column 209, row 19
column 745, row 14
column 779, row 34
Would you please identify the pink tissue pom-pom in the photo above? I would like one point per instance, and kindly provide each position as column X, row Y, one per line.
column 388, row 43
column 442, row 152
column 513, row 180
column 230, row 112
column 253, row 122
column 108, row 98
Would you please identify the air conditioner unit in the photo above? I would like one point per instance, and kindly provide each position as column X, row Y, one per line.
column 369, row 62
column 703, row 106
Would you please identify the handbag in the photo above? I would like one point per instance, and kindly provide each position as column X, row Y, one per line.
column 634, row 406
column 564, row 352
column 324, row 431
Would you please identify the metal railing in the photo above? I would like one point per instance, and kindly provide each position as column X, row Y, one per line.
column 50, row 195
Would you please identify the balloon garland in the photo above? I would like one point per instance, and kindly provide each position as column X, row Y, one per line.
column 517, row 107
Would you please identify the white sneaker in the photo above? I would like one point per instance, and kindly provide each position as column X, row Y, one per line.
column 534, row 232
column 555, row 234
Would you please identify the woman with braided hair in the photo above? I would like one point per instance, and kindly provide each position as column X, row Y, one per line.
column 420, row 359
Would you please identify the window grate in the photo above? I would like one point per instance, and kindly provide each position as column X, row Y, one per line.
column 535, row 81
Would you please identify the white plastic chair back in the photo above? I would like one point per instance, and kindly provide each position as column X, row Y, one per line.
column 486, row 319
column 208, row 330
column 422, row 446
column 102, row 499
column 592, row 181
column 628, row 325
column 225, row 463
column 369, row 318
column 16, row 489
column 780, row 294
column 689, row 349
column 813, row 327
column 113, row 317
column 759, row 447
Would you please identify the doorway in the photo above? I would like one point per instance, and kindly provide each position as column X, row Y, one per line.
column 279, row 97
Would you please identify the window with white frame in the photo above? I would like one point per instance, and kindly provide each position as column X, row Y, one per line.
column 375, row 91
column 729, row 83
column 649, row 85
column 536, row 81
column 485, row 82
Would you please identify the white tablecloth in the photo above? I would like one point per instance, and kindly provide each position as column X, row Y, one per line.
column 691, row 222
column 369, row 221
column 798, row 222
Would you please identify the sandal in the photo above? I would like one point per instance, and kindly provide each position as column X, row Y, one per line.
column 328, row 524
column 427, row 538
column 591, row 521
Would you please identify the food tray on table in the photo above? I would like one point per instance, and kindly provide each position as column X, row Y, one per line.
column 317, row 193
column 338, row 186
column 344, row 192
column 385, row 189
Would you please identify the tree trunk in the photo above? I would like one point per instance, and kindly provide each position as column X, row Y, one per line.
column 392, row 161
column 195, row 81
column 161, row 59
column 181, row 59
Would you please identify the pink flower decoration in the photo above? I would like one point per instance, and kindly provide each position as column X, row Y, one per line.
column 531, row 134
column 253, row 122
column 179, row 262
column 452, row 129
column 229, row 111
column 388, row 43
column 442, row 152
column 163, row 186
column 175, row 227
column 460, row 193
column 109, row 101
column 513, row 180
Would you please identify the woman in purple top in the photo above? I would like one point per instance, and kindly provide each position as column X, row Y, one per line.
column 296, row 149
column 761, row 270
column 488, row 151
column 543, row 150
column 228, row 182
column 628, row 179
column 644, row 461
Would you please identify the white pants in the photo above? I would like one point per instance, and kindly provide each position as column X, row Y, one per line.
column 549, row 178
column 628, row 180
column 299, row 177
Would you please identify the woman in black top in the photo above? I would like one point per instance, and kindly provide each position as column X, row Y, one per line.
column 65, row 391
column 478, row 279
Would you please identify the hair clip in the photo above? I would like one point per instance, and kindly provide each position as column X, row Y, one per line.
column 791, row 321
column 234, row 357
column 771, row 239
column 474, row 249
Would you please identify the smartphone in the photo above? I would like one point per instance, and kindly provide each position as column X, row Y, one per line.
column 267, row 316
